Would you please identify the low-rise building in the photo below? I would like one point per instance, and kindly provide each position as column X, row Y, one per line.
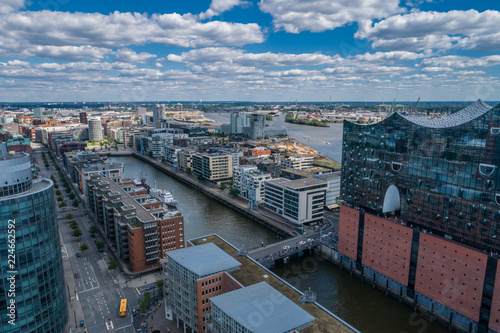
column 214, row 167
column 300, row 201
column 297, row 162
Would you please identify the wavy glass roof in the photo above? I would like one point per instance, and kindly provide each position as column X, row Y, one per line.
column 463, row 116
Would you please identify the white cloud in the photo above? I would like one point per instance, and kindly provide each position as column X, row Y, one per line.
column 121, row 29
column 295, row 16
column 434, row 30
column 219, row 6
column 128, row 55
column 7, row 6
column 453, row 61
column 68, row 53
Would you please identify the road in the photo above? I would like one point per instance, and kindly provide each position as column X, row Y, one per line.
column 96, row 289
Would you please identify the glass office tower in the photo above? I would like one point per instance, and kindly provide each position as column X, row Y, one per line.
column 440, row 174
column 38, row 288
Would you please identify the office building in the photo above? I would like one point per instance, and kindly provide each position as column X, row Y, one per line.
column 297, row 162
column 157, row 115
column 333, row 179
column 37, row 113
column 301, row 201
column 213, row 167
column 257, row 123
column 95, row 130
column 40, row 293
column 83, row 118
column 194, row 274
column 256, row 308
column 422, row 209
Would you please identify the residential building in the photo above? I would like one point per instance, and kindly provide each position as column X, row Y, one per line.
column 214, row 167
column 95, row 130
column 157, row 115
column 141, row 227
column 185, row 159
column 194, row 274
column 332, row 197
column 301, row 201
column 421, row 209
column 171, row 155
column 237, row 310
column 297, row 162
column 27, row 205
column 249, row 180
column 114, row 171
column 257, row 123
column 238, row 120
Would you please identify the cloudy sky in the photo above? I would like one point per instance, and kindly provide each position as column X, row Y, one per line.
column 255, row 50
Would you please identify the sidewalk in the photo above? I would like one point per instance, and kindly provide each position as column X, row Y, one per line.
column 155, row 321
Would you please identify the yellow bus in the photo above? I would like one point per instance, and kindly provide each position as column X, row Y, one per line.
column 123, row 307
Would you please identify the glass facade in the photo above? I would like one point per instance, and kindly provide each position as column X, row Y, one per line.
column 40, row 296
column 441, row 174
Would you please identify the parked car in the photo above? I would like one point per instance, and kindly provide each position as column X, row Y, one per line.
column 81, row 323
column 77, row 275
column 78, row 255
column 302, row 243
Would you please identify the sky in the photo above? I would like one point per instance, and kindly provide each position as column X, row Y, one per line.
column 255, row 50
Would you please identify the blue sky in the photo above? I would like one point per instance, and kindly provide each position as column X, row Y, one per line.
column 260, row 50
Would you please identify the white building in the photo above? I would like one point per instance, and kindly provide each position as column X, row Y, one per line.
column 95, row 130
column 238, row 121
column 300, row 201
column 333, row 192
column 297, row 162
column 249, row 180
column 171, row 155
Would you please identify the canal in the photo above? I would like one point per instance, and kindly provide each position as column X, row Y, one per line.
column 356, row 302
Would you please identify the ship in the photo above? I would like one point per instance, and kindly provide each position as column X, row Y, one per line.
column 163, row 195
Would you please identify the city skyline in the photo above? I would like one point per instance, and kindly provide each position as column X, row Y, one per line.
column 257, row 51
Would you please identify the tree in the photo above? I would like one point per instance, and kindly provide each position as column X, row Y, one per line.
column 77, row 233
column 100, row 245
column 223, row 185
column 201, row 178
column 144, row 302
column 73, row 224
column 93, row 229
column 93, row 150
column 62, row 204
column 60, row 199
column 68, row 216
column 68, row 190
column 72, row 196
column 234, row 191
column 188, row 170
column 75, row 203
column 159, row 285
column 113, row 264
column 58, row 192
column 84, row 247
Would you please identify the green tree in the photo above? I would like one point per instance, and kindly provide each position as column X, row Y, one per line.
column 113, row 265
column 63, row 204
column 223, row 185
column 201, row 178
column 60, row 199
column 68, row 216
column 77, row 233
column 93, row 229
column 75, row 203
column 84, row 247
column 234, row 191
column 72, row 196
column 144, row 302
column 159, row 285
column 58, row 192
column 188, row 170
column 73, row 224
column 100, row 245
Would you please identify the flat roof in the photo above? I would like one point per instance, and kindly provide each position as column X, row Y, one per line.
column 204, row 259
column 297, row 183
column 277, row 313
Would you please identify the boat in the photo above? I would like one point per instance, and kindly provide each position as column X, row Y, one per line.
column 163, row 195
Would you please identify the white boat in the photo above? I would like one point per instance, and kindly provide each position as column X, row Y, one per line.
column 163, row 195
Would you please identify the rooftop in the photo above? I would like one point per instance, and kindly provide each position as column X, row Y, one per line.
column 251, row 273
column 205, row 259
column 282, row 315
column 297, row 183
column 463, row 116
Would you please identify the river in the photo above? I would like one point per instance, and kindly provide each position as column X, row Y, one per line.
column 325, row 140
column 356, row 302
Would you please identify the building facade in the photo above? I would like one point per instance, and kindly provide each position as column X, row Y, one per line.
column 95, row 130
column 28, row 205
column 214, row 166
column 301, row 201
column 238, row 120
column 249, row 180
column 298, row 162
column 422, row 199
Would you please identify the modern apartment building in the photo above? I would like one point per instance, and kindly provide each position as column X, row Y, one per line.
column 297, row 162
column 185, row 159
column 27, row 206
column 301, row 201
column 238, row 120
column 257, row 123
column 141, row 228
column 422, row 210
column 114, row 171
column 249, row 180
column 214, row 167
column 194, row 274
